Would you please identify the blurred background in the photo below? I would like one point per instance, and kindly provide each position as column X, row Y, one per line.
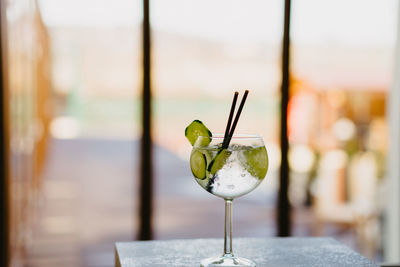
column 74, row 97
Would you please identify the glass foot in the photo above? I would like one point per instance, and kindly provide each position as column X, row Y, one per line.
column 226, row 260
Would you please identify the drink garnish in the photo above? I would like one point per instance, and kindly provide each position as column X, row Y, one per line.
column 196, row 129
column 198, row 159
column 198, row 164
column 256, row 161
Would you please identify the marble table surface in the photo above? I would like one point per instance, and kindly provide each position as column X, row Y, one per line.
column 290, row 251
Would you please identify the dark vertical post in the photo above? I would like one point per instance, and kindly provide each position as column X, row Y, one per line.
column 146, row 181
column 4, row 194
column 284, row 219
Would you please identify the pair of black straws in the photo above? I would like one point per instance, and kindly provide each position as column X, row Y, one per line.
column 230, row 130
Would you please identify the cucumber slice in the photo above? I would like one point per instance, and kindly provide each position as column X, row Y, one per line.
column 219, row 161
column 256, row 161
column 198, row 164
column 196, row 129
column 208, row 156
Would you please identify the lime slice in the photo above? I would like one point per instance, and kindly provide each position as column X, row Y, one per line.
column 256, row 161
column 198, row 164
column 219, row 161
column 196, row 129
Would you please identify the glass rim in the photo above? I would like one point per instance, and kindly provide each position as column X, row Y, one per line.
column 235, row 136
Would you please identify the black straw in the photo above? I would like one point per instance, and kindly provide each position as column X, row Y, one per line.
column 236, row 118
column 228, row 125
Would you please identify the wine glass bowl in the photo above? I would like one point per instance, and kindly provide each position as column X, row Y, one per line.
column 231, row 172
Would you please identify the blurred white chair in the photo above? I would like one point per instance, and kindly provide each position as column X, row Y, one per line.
column 345, row 194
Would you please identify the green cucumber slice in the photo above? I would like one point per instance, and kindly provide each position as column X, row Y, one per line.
column 196, row 129
column 219, row 161
column 208, row 156
column 256, row 161
column 198, row 164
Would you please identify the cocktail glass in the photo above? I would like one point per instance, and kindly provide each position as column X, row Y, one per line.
column 229, row 173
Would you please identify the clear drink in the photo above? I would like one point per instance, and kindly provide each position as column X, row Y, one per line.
column 236, row 177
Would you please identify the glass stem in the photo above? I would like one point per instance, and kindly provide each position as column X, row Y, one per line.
column 228, row 228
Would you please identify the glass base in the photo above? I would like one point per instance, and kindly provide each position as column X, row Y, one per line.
column 226, row 260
